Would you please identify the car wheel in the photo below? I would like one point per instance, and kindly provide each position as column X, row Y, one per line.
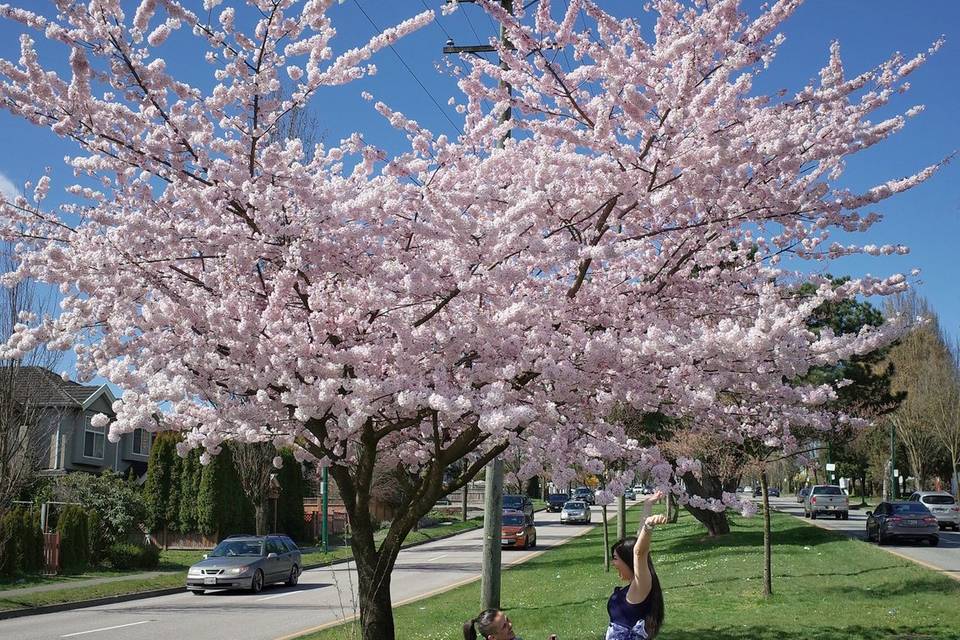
column 836, row 516
column 197, row 592
column 533, row 543
column 845, row 515
column 934, row 541
column 813, row 515
column 256, row 583
column 294, row 576
column 806, row 514
column 881, row 539
column 956, row 527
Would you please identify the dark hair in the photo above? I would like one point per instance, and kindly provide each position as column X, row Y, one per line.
column 483, row 623
column 654, row 619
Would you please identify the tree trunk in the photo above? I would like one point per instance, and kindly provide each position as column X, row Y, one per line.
column 260, row 518
column 709, row 486
column 621, row 518
column 673, row 510
column 767, row 547
column 376, row 608
column 606, row 541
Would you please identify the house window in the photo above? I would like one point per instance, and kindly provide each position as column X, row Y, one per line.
column 93, row 439
column 141, row 442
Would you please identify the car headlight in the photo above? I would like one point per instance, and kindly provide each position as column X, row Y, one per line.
column 195, row 571
column 236, row 571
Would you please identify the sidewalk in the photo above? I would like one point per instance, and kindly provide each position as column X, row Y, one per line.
column 81, row 582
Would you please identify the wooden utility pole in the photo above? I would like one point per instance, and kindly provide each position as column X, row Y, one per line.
column 493, row 482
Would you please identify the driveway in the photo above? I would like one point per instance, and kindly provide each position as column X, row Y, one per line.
column 944, row 558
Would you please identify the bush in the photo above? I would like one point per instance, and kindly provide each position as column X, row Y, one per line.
column 117, row 501
column 21, row 543
column 74, row 540
column 125, row 556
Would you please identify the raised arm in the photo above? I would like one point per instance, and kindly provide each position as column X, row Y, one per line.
column 642, row 580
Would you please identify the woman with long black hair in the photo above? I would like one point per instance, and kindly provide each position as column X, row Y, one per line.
column 636, row 609
column 492, row 624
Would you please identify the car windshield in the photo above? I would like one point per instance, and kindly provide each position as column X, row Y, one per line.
column 909, row 507
column 558, row 497
column 827, row 491
column 512, row 501
column 573, row 505
column 514, row 521
column 233, row 548
column 939, row 499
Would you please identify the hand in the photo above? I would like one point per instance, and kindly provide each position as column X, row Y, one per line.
column 653, row 521
column 656, row 497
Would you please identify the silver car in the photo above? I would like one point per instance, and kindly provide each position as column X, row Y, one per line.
column 247, row 562
column 942, row 505
column 575, row 511
column 902, row 520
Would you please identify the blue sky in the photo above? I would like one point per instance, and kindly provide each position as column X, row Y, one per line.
column 927, row 219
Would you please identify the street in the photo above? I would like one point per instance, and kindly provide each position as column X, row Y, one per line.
column 323, row 595
column 945, row 557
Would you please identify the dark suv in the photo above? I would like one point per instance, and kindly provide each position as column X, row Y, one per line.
column 555, row 501
column 519, row 503
column 584, row 494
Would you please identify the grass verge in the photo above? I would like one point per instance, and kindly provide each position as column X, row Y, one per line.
column 175, row 563
column 826, row 587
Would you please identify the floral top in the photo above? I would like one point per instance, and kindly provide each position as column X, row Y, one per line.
column 626, row 619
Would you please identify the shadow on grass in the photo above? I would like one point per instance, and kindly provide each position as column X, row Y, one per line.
column 933, row 584
column 804, row 632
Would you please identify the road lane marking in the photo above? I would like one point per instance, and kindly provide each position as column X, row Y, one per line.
column 438, row 557
column 119, row 626
column 280, row 595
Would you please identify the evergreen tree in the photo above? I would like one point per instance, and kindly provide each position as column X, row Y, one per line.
column 222, row 507
column 159, row 475
column 189, row 492
column 290, row 503
column 74, row 539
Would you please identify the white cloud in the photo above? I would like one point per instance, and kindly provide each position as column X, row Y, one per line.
column 7, row 188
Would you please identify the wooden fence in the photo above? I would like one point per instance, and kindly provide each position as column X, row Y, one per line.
column 51, row 553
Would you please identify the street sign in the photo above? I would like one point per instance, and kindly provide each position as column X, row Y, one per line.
column 896, row 473
column 831, row 466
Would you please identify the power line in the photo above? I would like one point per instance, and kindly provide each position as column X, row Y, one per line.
column 410, row 71
column 437, row 21
column 469, row 22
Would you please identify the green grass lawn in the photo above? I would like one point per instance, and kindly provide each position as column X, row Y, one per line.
column 175, row 563
column 826, row 587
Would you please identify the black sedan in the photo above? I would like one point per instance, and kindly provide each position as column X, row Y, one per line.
column 902, row 520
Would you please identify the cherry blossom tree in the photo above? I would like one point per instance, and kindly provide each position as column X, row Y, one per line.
column 458, row 299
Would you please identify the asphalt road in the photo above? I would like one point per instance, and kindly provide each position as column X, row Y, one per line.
column 323, row 595
column 945, row 557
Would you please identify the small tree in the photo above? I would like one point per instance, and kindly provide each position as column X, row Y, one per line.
column 293, row 488
column 190, row 476
column 222, row 507
column 74, row 539
column 160, row 476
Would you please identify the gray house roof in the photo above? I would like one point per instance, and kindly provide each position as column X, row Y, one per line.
column 45, row 388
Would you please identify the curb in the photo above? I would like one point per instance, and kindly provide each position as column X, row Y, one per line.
column 142, row 595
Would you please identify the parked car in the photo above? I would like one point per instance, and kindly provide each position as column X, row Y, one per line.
column 584, row 494
column 518, row 503
column 826, row 499
column 517, row 531
column 246, row 562
column 746, row 489
column 773, row 492
column 643, row 490
column 802, row 494
column 902, row 520
column 757, row 491
column 942, row 505
column 555, row 501
column 630, row 494
column 575, row 511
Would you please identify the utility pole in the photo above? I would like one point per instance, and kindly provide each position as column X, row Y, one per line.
column 324, row 527
column 493, row 481
column 893, row 463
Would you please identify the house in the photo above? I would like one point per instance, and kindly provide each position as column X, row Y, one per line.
column 63, row 436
